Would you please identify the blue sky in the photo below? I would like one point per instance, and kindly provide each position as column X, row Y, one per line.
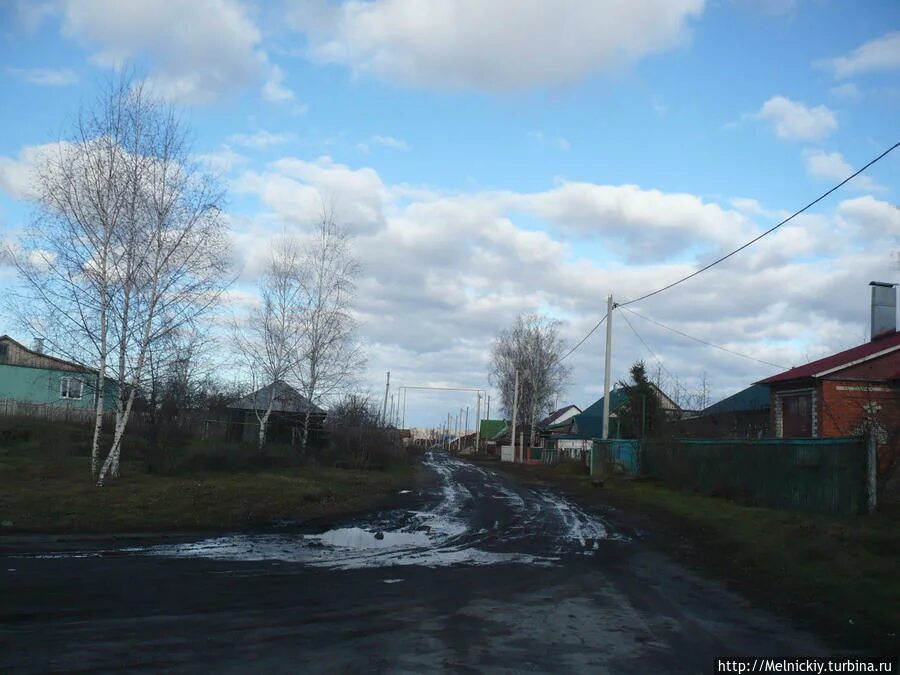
column 495, row 158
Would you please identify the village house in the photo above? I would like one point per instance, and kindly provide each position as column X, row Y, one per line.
column 574, row 434
column 285, row 424
column 847, row 393
column 741, row 415
column 29, row 379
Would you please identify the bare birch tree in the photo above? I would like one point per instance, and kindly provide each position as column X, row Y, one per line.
column 532, row 346
column 331, row 356
column 270, row 341
column 128, row 246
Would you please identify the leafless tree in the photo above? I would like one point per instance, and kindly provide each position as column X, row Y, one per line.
column 331, row 356
column 533, row 347
column 129, row 245
column 271, row 340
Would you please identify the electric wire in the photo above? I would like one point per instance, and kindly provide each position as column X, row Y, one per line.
column 643, row 342
column 701, row 341
column 767, row 232
column 582, row 341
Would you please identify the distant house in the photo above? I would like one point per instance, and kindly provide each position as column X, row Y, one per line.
column 576, row 433
column 29, row 376
column 741, row 415
column 558, row 416
column 493, row 433
column 842, row 394
column 285, row 424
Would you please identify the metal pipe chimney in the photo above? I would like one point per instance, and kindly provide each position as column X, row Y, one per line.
column 884, row 309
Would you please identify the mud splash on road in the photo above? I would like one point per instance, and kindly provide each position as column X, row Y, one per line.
column 499, row 524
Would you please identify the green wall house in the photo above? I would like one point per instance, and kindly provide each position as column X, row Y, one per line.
column 30, row 376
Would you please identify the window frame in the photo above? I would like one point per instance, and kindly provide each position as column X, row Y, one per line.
column 65, row 388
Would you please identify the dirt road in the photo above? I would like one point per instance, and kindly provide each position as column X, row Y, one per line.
column 471, row 572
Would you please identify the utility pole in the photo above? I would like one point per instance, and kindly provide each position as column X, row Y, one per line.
column 478, row 424
column 403, row 420
column 487, row 415
column 466, row 432
column 391, row 416
column 515, row 413
column 607, row 373
column 448, row 432
column 387, row 388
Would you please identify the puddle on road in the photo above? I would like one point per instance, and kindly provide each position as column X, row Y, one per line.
column 444, row 534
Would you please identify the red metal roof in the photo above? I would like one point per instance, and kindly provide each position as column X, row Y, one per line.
column 844, row 358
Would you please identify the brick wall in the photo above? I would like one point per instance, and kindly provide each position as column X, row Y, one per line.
column 845, row 404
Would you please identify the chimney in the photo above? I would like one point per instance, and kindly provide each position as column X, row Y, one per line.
column 38, row 345
column 884, row 309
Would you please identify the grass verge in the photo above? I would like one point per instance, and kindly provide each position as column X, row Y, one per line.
column 838, row 573
column 45, row 487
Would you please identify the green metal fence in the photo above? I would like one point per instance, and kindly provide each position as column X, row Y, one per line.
column 812, row 474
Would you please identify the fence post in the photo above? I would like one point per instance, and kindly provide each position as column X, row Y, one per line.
column 871, row 472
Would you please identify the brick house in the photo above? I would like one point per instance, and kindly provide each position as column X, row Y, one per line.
column 848, row 392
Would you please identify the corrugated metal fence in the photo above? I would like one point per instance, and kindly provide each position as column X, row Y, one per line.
column 827, row 475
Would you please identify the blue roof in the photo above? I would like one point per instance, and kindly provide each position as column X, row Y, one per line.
column 753, row 397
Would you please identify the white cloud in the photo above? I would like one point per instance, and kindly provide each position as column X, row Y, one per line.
column 501, row 45
column 274, row 90
column 390, row 142
column 797, row 122
column 17, row 175
column 882, row 53
column 832, row 166
column 47, row 77
column 848, row 91
column 261, row 139
column 872, row 217
column 197, row 50
column 222, row 160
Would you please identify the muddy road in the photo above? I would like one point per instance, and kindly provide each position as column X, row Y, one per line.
column 470, row 572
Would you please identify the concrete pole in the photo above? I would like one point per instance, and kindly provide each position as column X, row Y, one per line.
column 391, row 416
column 608, row 370
column 448, row 432
column 487, row 415
column 403, row 421
column 387, row 388
column 515, row 411
column 466, row 432
column 478, row 424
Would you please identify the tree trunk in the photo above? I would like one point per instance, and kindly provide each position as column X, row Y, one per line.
column 305, row 437
column 98, row 420
column 111, row 465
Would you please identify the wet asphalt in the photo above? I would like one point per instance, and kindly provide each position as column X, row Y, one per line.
column 469, row 572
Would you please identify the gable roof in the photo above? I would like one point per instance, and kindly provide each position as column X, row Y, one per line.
column 754, row 397
column 67, row 365
column 556, row 414
column 849, row 357
column 490, row 429
column 286, row 399
column 617, row 398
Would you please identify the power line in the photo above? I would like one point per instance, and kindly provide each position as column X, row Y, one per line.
column 769, row 231
column 704, row 342
column 582, row 341
column 643, row 342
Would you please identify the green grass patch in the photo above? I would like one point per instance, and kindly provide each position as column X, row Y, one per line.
column 848, row 564
column 45, row 485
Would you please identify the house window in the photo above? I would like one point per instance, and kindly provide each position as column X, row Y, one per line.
column 71, row 388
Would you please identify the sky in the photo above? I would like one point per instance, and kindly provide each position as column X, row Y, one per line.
column 497, row 158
